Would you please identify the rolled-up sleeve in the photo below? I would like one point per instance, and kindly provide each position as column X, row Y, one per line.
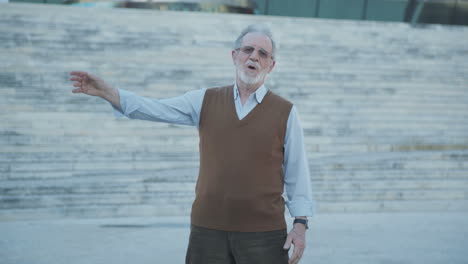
column 296, row 170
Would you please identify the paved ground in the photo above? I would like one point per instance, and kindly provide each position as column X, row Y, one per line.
column 386, row 238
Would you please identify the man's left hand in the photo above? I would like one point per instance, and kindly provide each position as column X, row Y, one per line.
column 297, row 237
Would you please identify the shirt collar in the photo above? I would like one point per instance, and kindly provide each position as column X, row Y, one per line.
column 259, row 94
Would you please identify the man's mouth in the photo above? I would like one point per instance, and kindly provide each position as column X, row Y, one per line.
column 251, row 67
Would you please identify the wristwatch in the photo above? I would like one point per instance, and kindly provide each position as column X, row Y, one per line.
column 302, row 221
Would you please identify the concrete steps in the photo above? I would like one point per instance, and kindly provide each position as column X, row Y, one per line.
column 384, row 108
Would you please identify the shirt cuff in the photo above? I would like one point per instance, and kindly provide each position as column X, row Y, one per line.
column 124, row 97
column 301, row 208
column 117, row 112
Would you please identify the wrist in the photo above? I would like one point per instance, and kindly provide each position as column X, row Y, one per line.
column 108, row 93
column 301, row 222
column 112, row 96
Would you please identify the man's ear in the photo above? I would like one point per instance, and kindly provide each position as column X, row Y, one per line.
column 233, row 54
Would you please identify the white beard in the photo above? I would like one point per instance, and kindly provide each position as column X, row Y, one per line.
column 250, row 79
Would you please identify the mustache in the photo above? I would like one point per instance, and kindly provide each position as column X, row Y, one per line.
column 252, row 63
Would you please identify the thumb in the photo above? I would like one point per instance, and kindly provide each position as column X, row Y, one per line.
column 287, row 245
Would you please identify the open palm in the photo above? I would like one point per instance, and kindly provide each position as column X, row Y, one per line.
column 88, row 84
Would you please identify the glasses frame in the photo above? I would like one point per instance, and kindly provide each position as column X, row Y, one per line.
column 262, row 53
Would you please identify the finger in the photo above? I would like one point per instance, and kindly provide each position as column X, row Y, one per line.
column 287, row 244
column 78, row 90
column 300, row 252
column 294, row 257
column 78, row 73
column 75, row 79
column 77, row 84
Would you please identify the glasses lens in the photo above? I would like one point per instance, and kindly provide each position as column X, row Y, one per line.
column 261, row 52
column 248, row 50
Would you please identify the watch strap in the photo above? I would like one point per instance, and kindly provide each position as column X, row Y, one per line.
column 302, row 221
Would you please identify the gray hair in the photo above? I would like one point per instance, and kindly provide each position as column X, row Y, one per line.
column 255, row 28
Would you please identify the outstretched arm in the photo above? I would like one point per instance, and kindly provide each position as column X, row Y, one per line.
column 183, row 110
column 92, row 85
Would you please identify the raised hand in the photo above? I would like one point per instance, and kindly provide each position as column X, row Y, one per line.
column 90, row 84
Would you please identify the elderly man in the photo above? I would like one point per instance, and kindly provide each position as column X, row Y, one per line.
column 251, row 147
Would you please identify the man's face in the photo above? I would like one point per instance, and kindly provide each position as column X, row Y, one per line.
column 253, row 60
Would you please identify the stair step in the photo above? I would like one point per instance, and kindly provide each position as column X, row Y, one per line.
column 385, row 121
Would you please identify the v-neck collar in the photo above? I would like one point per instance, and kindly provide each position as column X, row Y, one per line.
column 232, row 95
column 259, row 93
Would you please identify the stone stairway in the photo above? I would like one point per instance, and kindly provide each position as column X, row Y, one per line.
column 384, row 107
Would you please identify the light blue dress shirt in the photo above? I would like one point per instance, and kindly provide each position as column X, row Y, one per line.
column 185, row 110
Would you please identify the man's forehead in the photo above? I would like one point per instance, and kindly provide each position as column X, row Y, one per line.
column 258, row 40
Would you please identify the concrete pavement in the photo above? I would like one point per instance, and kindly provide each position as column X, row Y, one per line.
column 386, row 238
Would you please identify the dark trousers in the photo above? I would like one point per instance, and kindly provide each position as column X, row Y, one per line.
column 208, row 246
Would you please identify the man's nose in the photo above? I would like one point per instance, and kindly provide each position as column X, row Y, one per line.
column 254, row 56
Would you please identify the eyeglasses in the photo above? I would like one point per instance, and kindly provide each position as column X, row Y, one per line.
column 249, row 50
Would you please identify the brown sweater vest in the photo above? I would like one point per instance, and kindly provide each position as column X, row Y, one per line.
column 241, row 181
